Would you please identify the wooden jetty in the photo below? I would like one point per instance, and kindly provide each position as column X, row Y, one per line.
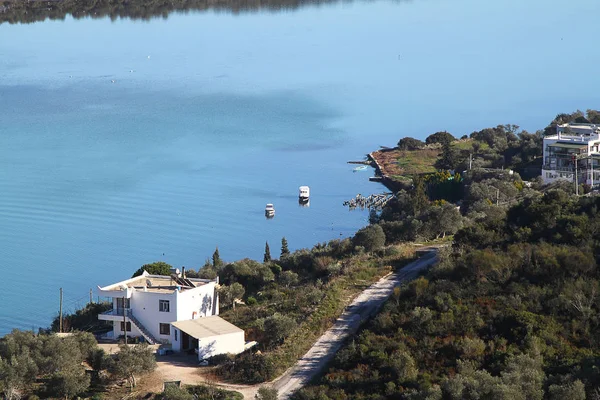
column 363, row 162
column 373, row 201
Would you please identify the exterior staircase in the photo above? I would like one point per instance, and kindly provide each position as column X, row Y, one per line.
column 145, row 333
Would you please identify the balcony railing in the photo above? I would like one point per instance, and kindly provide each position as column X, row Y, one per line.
column 555, row 168
column 118, row 312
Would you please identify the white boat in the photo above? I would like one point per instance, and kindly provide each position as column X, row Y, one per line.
column 269, row 210
column 303, row 193
column 360, row 168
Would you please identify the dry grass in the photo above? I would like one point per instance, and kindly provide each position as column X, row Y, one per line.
column 401, row 165
column 398, row 163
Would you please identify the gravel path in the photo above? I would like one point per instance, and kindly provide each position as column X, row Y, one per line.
column 363, row 307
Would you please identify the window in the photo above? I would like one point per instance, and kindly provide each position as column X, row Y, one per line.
column 128, row 326
column 163, row 305
column 165, row 329
column 175, row 333
column 123, row 304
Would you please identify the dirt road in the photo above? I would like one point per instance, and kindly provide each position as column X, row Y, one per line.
column 363, row 307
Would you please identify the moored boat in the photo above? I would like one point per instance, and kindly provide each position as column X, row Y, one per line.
column 269, row 211
column 303, row 194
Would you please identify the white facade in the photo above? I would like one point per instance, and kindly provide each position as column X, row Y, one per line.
column 572, row 142
column 148, row 304
column 232, row 343
column 209, row 337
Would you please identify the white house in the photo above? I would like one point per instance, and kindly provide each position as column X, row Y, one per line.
column 573, row 145
column 168, row 310
column 147, row 304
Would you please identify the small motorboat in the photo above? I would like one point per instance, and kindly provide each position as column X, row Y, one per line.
column 269, row 211
column 360, row 168
column 303, row 194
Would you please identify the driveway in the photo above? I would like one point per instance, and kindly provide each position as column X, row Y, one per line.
column 362, row 308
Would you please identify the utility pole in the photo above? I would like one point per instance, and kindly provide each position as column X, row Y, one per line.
column 591, row 161
column 470, row 160
column 497, row 196
column 60, row 313
column 91, row 298
column 576, row 180
column 124, row 320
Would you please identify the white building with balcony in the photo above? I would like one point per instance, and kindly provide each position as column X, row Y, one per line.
column 573, row 145
column 175, row 310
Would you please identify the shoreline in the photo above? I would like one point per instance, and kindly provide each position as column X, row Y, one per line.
column 380, row 172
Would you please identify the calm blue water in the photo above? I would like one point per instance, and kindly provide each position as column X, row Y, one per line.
column 213, row 115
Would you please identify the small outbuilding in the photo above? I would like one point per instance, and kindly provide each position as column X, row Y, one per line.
column 209, row 336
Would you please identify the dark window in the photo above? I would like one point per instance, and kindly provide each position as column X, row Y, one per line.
column 121, row 303
column 163, row 305
column 128, row 326
column 175, row 333
column 165, row 329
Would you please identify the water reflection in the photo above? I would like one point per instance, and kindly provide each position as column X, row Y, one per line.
column 303, row 203
column 33, row 11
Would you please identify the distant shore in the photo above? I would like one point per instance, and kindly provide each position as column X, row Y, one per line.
column 21, row 11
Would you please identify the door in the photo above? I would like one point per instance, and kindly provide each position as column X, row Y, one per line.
column 185, row 341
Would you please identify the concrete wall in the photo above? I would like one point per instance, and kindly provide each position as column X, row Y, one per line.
column 199, row 301
column 182, row 306
column 230, row 343
column 144, row 306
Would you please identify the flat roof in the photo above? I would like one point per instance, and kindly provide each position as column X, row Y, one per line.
column 157, row 283
column 206, row 327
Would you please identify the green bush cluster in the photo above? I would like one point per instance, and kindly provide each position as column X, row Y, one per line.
column 510, row 312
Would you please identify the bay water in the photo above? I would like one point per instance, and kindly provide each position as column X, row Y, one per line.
column 126, row 142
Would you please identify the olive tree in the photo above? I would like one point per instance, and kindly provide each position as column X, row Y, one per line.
column 229, row 294
column 371, row 238
column 132, row 361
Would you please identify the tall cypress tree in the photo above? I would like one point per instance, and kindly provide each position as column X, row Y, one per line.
column 267, row 257
column 419, row 196
column 284, row 247
column 217, row 262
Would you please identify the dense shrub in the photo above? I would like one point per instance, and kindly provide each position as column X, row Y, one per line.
column 371, row 238
column 510, row 311
column 440, row 137
column 248, row 367
column 409, row 143
column 156, row 268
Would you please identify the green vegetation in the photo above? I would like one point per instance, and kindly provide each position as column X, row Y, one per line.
column 156, row 268
column 265, row 393
column 51, row 366
column 409, row 143
column 85, row 319
column 284, row 248
column 267, row 256
column 510, row 312
column 286, row 304
column 132, row 361
column 198, row 392
column 417, row 162
column 440, row 137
